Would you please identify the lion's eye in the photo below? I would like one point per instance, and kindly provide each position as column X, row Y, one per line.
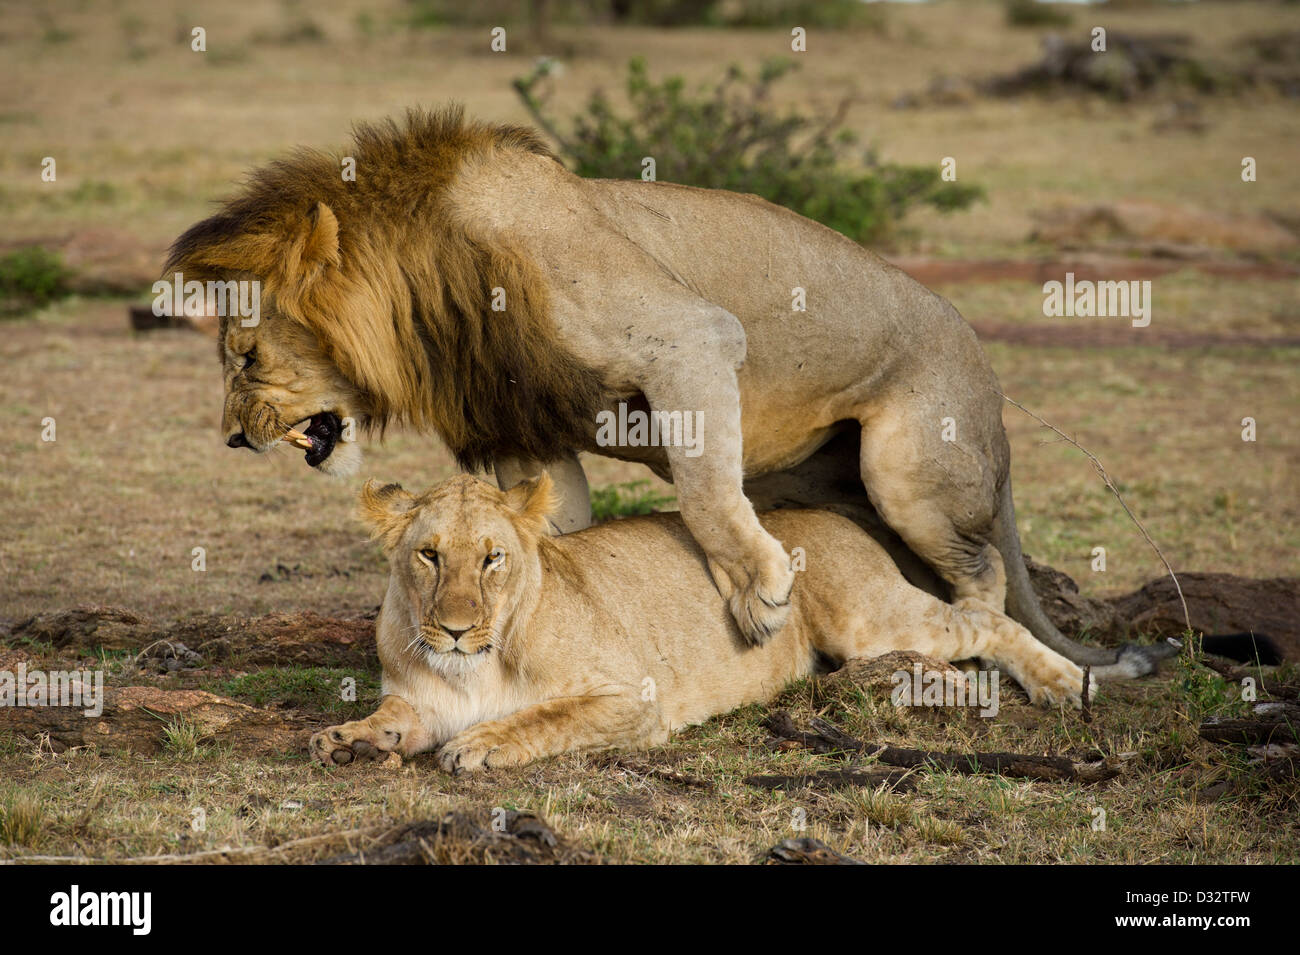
column 430, row 555
column 250, row 356
column 494, row 557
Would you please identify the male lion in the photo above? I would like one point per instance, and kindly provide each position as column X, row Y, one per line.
column 502, row 644
column 466, row 283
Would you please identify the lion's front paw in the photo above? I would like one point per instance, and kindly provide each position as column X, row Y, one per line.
column 358, row 740
column 760, row 605
column 480, row 747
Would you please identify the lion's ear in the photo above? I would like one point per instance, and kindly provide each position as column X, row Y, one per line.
column 534, row 501
column 290, row 254
column 318, row 237
column 387, row 510
column 313, row 246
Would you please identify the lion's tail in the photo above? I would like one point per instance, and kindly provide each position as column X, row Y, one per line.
column 1128, row 661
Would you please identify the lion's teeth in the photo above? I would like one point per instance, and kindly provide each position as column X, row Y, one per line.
column 298, row 439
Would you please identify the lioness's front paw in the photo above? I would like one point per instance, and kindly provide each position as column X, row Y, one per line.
column 1063, row 685
column 480, row 747
column 343, row 744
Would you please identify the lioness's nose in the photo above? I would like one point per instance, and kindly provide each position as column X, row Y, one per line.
column 237, row 440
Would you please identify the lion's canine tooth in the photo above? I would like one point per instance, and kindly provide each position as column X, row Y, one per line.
column 298, row 439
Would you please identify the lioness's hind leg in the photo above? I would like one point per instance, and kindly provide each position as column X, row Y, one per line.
column 971, row 628
column 1048, row 677
column 393, row 728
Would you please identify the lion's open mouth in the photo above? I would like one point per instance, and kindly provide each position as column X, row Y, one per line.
column 318, row 437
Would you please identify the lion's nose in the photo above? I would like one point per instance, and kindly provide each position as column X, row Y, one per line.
column 237, row 440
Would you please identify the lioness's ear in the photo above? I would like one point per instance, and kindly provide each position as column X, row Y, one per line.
column 534, row 500
column 387, row 510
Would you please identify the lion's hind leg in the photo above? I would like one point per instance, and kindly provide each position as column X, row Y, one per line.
column 940, row 497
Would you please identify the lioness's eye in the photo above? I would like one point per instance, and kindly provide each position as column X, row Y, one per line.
column 494, row 557
column 249, row 357
column 430, row 555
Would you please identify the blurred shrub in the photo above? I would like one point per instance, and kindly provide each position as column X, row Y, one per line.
column 1031, row 13
column 749, row 13
column 660, row 13
column 30, row 278
column 730, row 137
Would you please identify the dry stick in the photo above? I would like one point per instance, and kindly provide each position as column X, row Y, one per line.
column 829, row 739
column 1187, row 617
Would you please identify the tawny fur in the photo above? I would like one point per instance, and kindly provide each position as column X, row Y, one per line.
column 379, row 302
column 616, row 636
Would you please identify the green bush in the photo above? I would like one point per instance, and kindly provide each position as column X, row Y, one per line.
column 750, row 13
column 1031, row 13
column 730, row 137
column 834, row 14
column 30, row 278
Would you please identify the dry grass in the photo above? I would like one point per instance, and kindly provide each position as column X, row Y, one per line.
column 146, row 132
column 1187, row 302
column 111, row 511
column 689, row 803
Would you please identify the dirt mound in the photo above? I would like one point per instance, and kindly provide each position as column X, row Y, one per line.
column 135, row 719
column 93, row 625
column 1072, row 612
column 1131, row 66
column 507, row 838
column 1166, row 228
column 300, row 638
column 1217, row 603
column 878, row 672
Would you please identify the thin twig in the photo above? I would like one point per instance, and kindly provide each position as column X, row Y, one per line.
column 524, row 87
column 1187, row 617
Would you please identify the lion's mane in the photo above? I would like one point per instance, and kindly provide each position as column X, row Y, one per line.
column 398, row 288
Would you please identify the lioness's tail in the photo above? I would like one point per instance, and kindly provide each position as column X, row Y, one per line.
column 1128, row 661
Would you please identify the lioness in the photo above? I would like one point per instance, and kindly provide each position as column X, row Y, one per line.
column 464, row 282
column 502, row 644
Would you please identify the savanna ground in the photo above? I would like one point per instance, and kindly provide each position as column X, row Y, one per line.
column 146, row 133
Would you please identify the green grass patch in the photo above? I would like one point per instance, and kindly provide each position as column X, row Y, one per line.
column 311, row 688
column 630, row 499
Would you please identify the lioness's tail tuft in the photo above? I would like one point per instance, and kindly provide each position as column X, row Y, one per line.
column 1135, row 661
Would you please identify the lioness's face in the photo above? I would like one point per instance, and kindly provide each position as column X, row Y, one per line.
column 278, row 378
column 462, row 554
